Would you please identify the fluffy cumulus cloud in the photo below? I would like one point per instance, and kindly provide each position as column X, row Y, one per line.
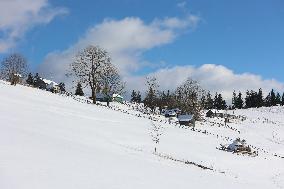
column 129, row 38
column 18, row 16
column 125, row 40
column 215, row 78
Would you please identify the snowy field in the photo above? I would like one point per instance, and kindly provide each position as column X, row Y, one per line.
column 52, row 141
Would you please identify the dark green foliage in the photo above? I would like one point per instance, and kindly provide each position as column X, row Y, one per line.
column 260, row 101
column 254, row 99
column 234, row 100
column 219, row 103
column 282, row 99
column 136, row 96
column 62, row 87
column 30, row 79
column 271, row 100
column 150, row 100
column 278, row 99
column 79, row 90
column 239, row 103
column 209, row 102
column 38, row 82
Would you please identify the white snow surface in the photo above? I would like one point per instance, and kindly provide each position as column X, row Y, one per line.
column 52, row 141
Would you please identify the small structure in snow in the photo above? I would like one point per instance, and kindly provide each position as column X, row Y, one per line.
column 210, row 113
column 186, row 120
column 16, row 78
column 117, row 98
column 239, row 146
column 170, row 113
column 51, row 86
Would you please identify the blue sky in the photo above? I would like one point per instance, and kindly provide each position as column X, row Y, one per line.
column 244, row 36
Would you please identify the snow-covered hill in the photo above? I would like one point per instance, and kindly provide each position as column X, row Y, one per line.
column 53, row 141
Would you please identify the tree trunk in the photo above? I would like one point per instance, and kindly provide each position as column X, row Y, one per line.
column 94, row 96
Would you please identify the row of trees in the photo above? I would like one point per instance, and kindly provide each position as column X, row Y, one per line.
column 191, row 98
column 187, row 97
column 37, row 81
column 255, row 99
column 91, row 68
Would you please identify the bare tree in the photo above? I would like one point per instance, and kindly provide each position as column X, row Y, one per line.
column 93, row 68
column 188, row 98
column 151, row 98
column 13, row 67
column 111, row 81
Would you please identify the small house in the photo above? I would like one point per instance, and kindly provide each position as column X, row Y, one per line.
column 16, row 78
column 117, row 98
column 51, row 86
column 210, row 114
column 238, row 145
column 186, row 120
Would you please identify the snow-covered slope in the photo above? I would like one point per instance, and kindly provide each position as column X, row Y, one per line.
column 52, row 141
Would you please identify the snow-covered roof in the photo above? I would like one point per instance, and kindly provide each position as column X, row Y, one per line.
column 186, row 117
column 170, row 112
column 116, row 96
column 218, row 111
column 18, row 75
column 237, row 143
column 48, row 82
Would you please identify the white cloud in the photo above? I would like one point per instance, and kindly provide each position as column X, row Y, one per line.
column 182, row 4
column 125, row 39
column 190, row 21
column 18, row 16
column 215, row 78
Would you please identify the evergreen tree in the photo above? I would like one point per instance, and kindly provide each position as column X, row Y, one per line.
column 278, row 99
column 282, row 99
column 267, row 100
column 38, row 82
column 253, row 99
column 30, row 79
column 260, row 101
column 133, row 96
column 138, row 97
column 234, row 100
column 239, row 103
column 215, row 101
column 223, row 102
column 79, row 90
column 203, row 101
column 273, row 98
column 219, row 103
column 150, row 100
column 62, row 87
column 209, row 102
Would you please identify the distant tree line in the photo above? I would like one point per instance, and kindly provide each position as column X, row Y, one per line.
column 255, row 99
column 37, row 82
column 187, row 97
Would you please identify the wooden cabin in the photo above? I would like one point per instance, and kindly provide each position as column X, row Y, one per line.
column 187, row 120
